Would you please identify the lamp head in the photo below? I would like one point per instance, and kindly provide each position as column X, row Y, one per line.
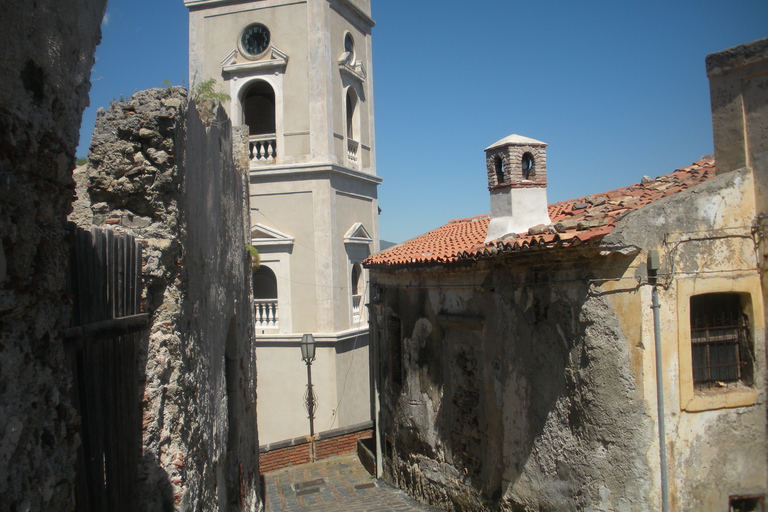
column 308, row 348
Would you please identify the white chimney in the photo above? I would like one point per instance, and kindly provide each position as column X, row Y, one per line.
column 517, row 180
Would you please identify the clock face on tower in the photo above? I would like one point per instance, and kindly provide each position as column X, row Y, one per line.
column 255, row 39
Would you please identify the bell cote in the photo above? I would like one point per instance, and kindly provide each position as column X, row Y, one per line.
column 516, row 161
column 517, row 181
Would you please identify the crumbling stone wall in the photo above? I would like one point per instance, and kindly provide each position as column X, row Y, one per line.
column 158, row 171
column 48, row 49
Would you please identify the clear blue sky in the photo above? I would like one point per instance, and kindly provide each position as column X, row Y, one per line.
column 617, row 89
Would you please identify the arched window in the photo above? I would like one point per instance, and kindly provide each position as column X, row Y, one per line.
column 349, row 48
column 264, row 283
column 528, row 166
column 353, row 127
column 498, row 166
column 351, row 114
column 259, row 108
column 265, row 298
column 356, row 273
column 357, row 297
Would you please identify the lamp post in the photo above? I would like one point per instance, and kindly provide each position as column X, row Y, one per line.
column 308, row 355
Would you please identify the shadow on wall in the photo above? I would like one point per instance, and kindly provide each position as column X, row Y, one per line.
column 523, row 390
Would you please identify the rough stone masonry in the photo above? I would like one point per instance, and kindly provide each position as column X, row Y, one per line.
column 48, row 48
column 161, row 173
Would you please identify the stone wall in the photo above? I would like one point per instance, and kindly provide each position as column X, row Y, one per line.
column 160, row 172
column 48, row 49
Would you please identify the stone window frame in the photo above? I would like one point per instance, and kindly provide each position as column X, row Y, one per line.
column 239, row 87
column 691, row 399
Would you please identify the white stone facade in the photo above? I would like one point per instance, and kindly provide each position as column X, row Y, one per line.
column 313, row 180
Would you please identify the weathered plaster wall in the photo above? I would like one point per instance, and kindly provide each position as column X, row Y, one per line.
column 160, row 172
column 529, row 383
column 707, row 244
column 517, row 393
column 738, row 78
column 48, row 51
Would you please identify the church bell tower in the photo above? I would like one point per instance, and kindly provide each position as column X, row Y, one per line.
column 298, row 74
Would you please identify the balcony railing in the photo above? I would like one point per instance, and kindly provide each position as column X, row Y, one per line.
column 356, row 300
column 266, row 313
column 262, row 149
column 352, row 149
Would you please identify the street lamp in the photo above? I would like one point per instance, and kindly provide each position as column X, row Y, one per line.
column 308, row 355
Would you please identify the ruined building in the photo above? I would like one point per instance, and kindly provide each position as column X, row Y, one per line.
column 516, row 370
column 299, row 76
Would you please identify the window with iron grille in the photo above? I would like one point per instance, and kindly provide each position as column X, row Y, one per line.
column 745, row 504
column 720, row 341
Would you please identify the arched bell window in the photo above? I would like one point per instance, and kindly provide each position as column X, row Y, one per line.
column 265, row 298
column 357, row 294
column 528, row 166
column 356, row 273
column 259, row 108
column 498, row 167
column 264, row 283
column 352, row 130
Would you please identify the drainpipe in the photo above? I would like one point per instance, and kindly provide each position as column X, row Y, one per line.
column 653, row 267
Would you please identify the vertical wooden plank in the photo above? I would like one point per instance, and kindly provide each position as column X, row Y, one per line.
column 100, row 309
column 112, row 381
column 74, row 359
column 87, row 289
column 83, row 290
column 105, row 277
column 111, row 273
column 121, row 277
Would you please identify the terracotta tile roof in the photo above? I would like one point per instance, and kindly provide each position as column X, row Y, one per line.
column 574, row 222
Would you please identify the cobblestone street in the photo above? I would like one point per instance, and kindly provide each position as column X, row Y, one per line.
column 339, row 484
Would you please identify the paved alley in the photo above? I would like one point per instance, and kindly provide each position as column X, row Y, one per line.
column 339, row 484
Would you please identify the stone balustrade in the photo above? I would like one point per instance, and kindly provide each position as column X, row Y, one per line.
column 356, row 301
column 352, row 149
column 262, row 149
column 266, row 313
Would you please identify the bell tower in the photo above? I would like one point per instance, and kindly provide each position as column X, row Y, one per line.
column 517, row 181
column 299, row 78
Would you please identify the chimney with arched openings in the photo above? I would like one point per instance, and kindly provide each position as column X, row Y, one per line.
column 517, row 181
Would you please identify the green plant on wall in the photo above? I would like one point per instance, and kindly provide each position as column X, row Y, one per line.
column 208, row 91
column 255, row 258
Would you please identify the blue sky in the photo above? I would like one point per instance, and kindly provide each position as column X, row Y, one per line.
column 617, row 89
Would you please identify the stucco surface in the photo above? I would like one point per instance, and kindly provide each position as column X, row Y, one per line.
column 528, row 381
column 517, row 392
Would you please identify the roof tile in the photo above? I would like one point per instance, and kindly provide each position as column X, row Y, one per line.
column 463, row 239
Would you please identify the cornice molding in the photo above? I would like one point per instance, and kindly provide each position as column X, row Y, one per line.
column 356, row 71
column 282, row 170
column 231, row 64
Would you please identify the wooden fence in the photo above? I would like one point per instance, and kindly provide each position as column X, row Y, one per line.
column 104, row 276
